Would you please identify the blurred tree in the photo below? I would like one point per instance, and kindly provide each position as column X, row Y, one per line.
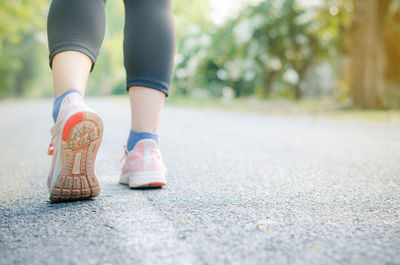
column 21, row 25
column 192, row 32
column 369, row 27
column 391, row 97
column 108, row 76
column 274, row 41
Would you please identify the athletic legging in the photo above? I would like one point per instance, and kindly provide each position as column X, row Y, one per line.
column 149, row 36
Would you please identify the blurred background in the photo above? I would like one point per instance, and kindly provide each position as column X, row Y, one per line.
column 346, row 52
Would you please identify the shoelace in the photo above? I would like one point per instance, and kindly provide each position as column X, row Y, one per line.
column 125, row 154
column 50, row 150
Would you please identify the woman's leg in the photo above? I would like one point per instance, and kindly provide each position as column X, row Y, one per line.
column 70, row 71
column 146, row 106
column 149, row 46
column 75, row 32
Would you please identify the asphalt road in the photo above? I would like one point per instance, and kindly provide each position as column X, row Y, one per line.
column 243, row 189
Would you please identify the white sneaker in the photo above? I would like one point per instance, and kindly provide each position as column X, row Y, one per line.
column 76, row 138
column 143, row 166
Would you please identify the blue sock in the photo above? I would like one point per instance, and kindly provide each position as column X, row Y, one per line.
column 58, row 101
column 135, row 137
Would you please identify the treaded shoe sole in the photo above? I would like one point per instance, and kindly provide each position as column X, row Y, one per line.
column 81, row 138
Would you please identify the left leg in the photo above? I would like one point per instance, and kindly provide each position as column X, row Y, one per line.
column 149, row 46
column 146, row 106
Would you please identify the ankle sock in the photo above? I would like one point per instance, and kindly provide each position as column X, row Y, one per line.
column 135, row 137
column 58, row 101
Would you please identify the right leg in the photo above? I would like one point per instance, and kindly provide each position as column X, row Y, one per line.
column 75, row 32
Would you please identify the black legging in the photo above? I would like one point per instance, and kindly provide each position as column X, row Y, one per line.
column 149, row 41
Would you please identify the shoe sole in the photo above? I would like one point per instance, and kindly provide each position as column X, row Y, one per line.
column 147, row 180
column 81, row 139
column 150, row 185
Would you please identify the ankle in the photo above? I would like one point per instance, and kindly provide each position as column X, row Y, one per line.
column 57, row 102
column 135, row 136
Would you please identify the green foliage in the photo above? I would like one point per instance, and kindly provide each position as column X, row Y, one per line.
column 21, row 29
column 108, row 76
column 271, row 49
column 267, row 49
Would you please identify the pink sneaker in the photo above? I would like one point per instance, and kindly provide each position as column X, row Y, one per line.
column 143, row 166
column 76, row 138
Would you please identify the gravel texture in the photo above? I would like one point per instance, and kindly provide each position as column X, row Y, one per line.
column 242, row 189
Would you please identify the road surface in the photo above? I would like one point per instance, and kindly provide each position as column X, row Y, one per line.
column 242, row 189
